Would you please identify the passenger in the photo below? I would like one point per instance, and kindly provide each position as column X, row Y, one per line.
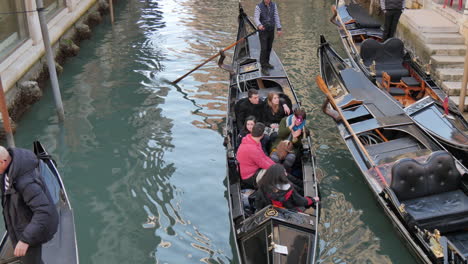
column 251, row 157
column 284, row 154
column 252, row 106
column 275, row 188
column 272, row 112
column 247, row 129
column 291, row 128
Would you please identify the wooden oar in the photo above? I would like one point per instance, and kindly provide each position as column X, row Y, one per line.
column 212, row 57
column 321, row 84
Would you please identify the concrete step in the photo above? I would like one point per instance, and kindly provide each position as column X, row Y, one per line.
column 452, row 88
column 451, row 75
column 456, row 100
column 425, row 20
column 443, row 61
column 444, row 49
column 443, row 38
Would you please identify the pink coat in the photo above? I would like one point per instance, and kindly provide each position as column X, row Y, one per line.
column 251, row 157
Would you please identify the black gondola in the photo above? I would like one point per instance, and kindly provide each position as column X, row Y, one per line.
column 63, row 247
column 420, row 186
column 394, row 69
column 271, row 234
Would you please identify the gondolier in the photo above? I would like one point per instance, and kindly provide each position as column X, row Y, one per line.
column 266, row 18
column 392, row 10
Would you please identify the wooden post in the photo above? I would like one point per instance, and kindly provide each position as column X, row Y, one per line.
column 50, row 61
column 461, row 102
column 6, row 118
column 111, row 7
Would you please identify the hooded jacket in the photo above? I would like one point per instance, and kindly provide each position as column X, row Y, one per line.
column 285, row 197
column 251, row 157
column 29, row 213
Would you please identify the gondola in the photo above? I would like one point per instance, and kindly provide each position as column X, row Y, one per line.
column 63, row 247
column 420, row 186
column 271, row 234
column 394, row 69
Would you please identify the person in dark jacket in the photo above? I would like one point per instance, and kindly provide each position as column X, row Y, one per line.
column 272, row 111
column 392, row 10
column 252, row 105
column 275, row 188
column 31, row 218
column 266, row 18
column 250, row 122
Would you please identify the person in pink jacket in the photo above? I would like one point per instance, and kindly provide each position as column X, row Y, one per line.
column 251, row 157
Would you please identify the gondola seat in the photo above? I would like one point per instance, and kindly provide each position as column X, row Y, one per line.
column 432, row 192
column 388, row 57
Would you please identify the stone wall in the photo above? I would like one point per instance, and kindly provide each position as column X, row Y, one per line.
column 28, row 88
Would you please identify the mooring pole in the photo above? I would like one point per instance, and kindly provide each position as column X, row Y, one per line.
column 50, row 61
column 111, row 7
column 6, row 118
column 461, row 102
column 371, row 7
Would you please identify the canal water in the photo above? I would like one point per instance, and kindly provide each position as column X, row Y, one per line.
column 134, row 147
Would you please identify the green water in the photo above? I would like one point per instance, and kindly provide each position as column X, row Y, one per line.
column 133, row 146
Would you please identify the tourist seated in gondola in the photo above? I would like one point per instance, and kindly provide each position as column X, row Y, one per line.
column 291, row 128
column 275, row 188
column 251, row 157
column 284, row 154
column 272, row 111
column 252, row 105
column 247, row 129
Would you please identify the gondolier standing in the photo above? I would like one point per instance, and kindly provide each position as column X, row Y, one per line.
column 266, row 18
column 31, row 218
column 392, row 10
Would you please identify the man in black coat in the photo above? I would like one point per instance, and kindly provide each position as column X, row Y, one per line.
column 31, row 217
column 392, row 10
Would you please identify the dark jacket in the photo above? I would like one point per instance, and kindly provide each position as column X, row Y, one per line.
column 245, row 108
column 28, row 210
column 392, row 4
column 270, row 118
column 289, row 199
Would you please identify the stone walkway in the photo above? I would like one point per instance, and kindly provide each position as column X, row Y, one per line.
column 434, row 38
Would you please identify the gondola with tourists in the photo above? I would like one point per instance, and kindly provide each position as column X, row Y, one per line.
column 62, row 248
column 395, row 70
column 271, row 234
column 420, row 186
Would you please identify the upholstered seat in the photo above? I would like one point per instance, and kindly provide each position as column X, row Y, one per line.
column 388, row 57
column 432, row 192
column 410, row 81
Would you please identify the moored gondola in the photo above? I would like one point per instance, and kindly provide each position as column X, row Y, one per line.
column 271, row 234
column 63, row 247
column 420, row 186
column 394, row 69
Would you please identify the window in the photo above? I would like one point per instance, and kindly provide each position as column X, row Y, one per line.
column 52, row 7
column 255, row 248
column 13, row 29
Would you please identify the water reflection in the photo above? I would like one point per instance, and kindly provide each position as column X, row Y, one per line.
column 135, row 148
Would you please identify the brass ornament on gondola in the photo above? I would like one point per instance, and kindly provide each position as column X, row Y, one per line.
column 271, row 212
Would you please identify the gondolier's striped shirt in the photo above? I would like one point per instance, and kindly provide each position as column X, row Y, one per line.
column 276, row 15
column 392, row 4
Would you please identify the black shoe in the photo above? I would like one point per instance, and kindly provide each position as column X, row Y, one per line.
column 265, row 72
column 269, row 66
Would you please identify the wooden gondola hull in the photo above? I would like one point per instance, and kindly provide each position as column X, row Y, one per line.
column 255, row 231
column 388, row 136
column 355, row 27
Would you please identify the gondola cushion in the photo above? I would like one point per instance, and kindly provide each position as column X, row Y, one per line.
column 431, row 192
column 388, row 57
column 446, row 212
column 362, row 17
